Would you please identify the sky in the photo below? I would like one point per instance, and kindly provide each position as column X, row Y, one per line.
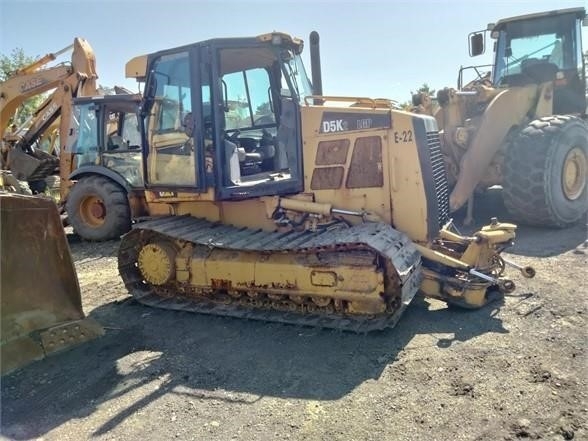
column 373, row 48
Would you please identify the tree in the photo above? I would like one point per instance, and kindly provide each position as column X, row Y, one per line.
column 407, row 105
column 9, row 64
column 106, row 90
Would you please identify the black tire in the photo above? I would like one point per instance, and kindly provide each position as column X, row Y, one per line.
column 535, row 189
column 98, row 209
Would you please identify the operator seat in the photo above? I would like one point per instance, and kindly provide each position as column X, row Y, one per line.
column 539, row 71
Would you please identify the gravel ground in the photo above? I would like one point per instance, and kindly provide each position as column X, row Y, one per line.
column 516, row 369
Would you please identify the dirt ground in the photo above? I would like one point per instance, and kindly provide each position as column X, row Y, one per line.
column 513, row 370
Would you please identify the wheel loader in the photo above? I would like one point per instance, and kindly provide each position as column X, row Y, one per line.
column 270, row 201
column 523, row 125
column 41, row 306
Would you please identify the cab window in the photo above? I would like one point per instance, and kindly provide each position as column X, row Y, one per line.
column 83, row 141
column 171, row 159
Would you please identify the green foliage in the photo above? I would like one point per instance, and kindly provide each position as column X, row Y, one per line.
column 425, row 88
column 9, row 64
column 106, row 90
column 263, row 109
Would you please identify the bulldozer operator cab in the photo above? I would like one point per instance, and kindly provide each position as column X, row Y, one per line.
column 536, row 48
column 221, row 118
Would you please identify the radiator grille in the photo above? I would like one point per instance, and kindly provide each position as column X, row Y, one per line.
column 439, row 176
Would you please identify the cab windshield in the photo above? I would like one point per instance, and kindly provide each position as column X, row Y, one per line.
column 547, row 40
column 296, row 74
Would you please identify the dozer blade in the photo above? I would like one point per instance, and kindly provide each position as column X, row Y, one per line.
column 40, row 294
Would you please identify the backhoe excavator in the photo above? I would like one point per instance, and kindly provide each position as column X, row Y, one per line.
column 66, row 80
column 271, row 201
column 523, row 125
column 99, row 175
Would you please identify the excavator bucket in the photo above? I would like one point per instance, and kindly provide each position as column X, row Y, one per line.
column 40, row 294
column 34, row 166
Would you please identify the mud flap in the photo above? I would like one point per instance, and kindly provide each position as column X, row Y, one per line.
column 41, row 308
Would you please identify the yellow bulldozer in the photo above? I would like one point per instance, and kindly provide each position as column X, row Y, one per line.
column 41, row 307
column 271, row 201
column 523, row 125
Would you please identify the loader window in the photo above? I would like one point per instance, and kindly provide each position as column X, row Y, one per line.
column 83, row 142
column 542, row 43
column 123, row 141
column 130, row 131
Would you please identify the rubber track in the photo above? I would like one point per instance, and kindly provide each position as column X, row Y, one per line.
column 381, row 238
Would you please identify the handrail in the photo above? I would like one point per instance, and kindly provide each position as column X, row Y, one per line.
column 372, row 102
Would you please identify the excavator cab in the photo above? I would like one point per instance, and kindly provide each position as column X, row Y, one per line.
column 229, row 129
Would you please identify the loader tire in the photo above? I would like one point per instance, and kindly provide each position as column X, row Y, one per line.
column 98, row 209
column 545, row 172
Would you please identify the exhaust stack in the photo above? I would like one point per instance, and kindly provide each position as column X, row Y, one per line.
column 315, row 65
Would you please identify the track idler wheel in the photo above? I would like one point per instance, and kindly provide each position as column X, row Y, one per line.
column 157, row 262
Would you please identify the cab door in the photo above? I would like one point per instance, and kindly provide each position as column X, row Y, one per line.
column 172, row 106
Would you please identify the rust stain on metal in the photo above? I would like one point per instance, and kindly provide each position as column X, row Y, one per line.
column 365, row 169
column 327, row 178
column 332, row 152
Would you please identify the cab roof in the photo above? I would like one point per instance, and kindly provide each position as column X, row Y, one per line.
column 137, row 66
column 579, row 12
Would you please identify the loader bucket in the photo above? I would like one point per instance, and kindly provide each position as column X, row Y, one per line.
column 41, row 307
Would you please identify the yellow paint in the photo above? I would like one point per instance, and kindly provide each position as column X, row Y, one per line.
column 509, row 108
column 400, row 200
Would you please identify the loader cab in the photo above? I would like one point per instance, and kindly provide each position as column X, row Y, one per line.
column 104, row 137
column 222, row 117
column 542, row 47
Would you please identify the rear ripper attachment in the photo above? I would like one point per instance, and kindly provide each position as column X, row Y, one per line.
column 469, row 271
